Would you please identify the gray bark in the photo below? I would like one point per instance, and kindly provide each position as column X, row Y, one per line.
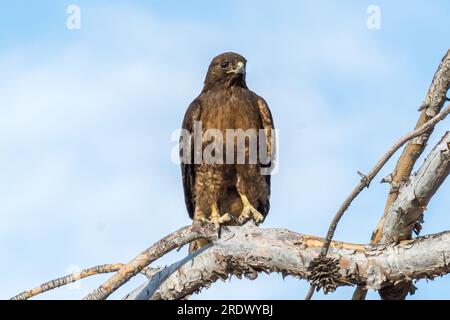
column 414, row 196
column 248, row 250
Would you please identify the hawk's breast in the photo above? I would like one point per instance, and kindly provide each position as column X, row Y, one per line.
column 235, row 108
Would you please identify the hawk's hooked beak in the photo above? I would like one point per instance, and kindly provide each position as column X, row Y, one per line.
column 240, row 68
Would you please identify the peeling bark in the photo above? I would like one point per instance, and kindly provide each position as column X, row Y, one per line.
column 406, row 213
column 413, row 198
column 433, row 103
column 249, row 250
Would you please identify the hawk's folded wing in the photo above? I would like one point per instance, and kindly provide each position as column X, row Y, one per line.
column 188, row 169
column 267, row 124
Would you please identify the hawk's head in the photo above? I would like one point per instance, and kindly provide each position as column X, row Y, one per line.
column 227, row 68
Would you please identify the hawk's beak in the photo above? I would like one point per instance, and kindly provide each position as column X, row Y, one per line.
column 240, row 68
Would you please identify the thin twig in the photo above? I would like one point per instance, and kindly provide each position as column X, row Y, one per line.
column 365, row 181
column 173, row 241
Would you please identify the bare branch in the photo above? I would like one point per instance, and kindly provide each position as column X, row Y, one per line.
column 175, row 240
column 433, row 103
column 413, row 198
column 406, row 213
column 53, row 284
column 248, row 250
column 59, row 282
column 365, row 181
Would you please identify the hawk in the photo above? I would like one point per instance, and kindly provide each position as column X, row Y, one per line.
column 227, row 192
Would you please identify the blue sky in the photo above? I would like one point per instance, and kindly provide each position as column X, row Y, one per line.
column 86, row 118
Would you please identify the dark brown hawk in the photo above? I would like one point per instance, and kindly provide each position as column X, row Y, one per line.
column 224, row 192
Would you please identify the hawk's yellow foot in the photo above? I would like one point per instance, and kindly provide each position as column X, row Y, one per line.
column 249, row 212
column 216, row 218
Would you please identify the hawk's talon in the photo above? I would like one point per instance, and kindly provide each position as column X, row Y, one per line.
column 219, row 220
column 216, row 218
column 249, row 212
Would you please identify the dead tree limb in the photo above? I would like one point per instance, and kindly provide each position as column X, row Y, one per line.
column 62, row 281
column 56, row 283
column 249, row 250
column 173, row 241
column 413, row 198
column 406, row 212
column 366, row 180
column 433, row 103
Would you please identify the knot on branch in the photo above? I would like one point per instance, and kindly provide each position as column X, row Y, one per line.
column 430, row 109
column 364, row 179
column 324, row 274
column 418, row 225
column 423, row 106
column 388, row 179
column 421, row 140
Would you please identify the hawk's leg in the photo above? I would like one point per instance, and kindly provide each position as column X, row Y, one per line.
column 249, row 212
column 216, row 217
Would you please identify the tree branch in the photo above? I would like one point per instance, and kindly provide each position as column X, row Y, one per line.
column 248, row 250
column 406, row 213
column 175, row 240
column 59, row 282
column 433, row 103
column 365, row 181
column 414, row 197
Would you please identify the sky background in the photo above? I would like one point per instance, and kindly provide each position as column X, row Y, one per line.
column 86, row 118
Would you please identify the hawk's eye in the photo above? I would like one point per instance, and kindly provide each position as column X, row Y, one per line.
column 224, row 64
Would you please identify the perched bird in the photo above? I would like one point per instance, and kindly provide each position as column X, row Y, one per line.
column 227, row 192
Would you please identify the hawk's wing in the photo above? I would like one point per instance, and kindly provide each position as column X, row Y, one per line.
column 267, row 122
column 188, row 169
